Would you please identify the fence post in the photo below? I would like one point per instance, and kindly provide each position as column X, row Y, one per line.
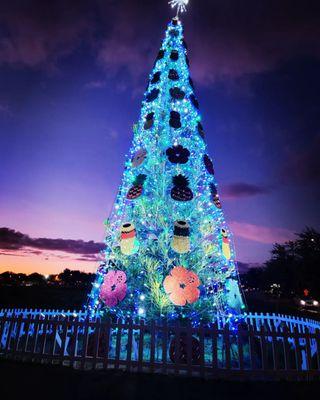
column 152, row 345
column 85, row 341
column 96, row 344
column 164, row 345
column 308, row 350
column 129, row 344
column 118, row 344
column 189, row 347
column 297, row 348
column 241, row 334
column 107, row 326
column 226, row 340
column 286, row 347
column 263, row 348
column 215, row 346
column 140, row 346
column 202, row 351
column 177, row 333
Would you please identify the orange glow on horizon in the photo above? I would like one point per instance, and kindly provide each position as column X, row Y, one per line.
column 45, row 263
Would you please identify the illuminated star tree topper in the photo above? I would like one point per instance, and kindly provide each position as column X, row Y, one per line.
column 180, row 4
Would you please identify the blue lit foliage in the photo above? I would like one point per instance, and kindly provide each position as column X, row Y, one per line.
column 169, row 178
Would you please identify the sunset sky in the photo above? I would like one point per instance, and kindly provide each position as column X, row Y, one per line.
column 72, row 77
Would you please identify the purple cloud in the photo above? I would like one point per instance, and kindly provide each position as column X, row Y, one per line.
column 242, row 189
column 226, row 40
column 261, row 234
column 13, row 240
column 39, row 34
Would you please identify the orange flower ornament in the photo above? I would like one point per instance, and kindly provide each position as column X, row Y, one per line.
column 182, row 286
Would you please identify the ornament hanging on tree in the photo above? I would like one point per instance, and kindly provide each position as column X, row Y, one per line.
column 139, row 158
column 225, row 244
column 149, row 121
column 208, row 164
column 178, row 154
column 181, row 190
column 160, row 55
column 152, row 95
column 175, row 121
column 214, row 195
column 156, row 77
column 174, row 56
column 173, row 75
column 200, row 130
column 177, row 94
column 194, row 101
column 129, row 243
column 182, row 286
column 136, row 190
column 114, row 288
column 181, row 237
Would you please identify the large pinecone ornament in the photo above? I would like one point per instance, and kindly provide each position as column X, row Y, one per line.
column 136, row 190
column 181, row 190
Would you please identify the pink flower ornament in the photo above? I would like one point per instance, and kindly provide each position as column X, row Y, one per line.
column 114, row 288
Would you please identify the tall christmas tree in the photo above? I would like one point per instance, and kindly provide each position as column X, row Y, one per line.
column 169, row 252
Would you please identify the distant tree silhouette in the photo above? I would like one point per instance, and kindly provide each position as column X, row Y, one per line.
column 295, row 265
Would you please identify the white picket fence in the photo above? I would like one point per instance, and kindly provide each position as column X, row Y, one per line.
column 262, row 346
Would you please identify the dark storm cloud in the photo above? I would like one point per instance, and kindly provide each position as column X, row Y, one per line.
column 242, row 189
column 14, row 240
column 226, row 39
column 36, row 34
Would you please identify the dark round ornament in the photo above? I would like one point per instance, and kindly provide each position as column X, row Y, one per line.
column 175, row 121
column 173, row 75
column 156, row 77
column 194, row 101
column 174, row 56
column 200, row 130
column 173, row 33
column 177, row 94
column 208, row 164
column 178, row 350
column 149, row 121
column 160, row 55
column 178, row 154
column 152, row 95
